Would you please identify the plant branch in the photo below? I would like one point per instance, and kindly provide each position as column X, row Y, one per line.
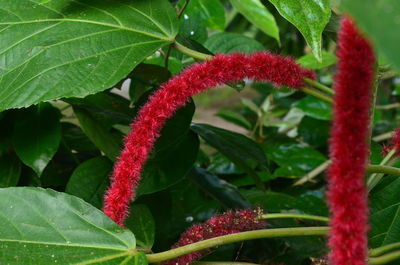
column 319, row 86
column 294, row 215
column 382, row 250
column 192, row 53
column 393, row 171
column 180, row 13
column 374, row 179
column 317, row 94
column 384, row 258
column 377, row 170
column 382, row 137
column 227, row 239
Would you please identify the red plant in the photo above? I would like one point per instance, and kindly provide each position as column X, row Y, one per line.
column 261, row 66
column 227, row 223
column 349, row 149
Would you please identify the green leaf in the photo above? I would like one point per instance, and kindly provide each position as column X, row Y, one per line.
column 294, row 159
column 37, row 136
column 259, row 15
column 63, row 48
column 315, row 132
column 98, row 133
column 10, row 170
column 385, row 212
column 238, row 148
column 226, row 42
column 309, row 61
column 46, row 227
column 227, row 194
column 174, row 153
column 379, row 19
column 141, row 223
column 309, row 17
column 169, row 165
column 234, row 118
column 315, row 108
column 90, row 179
column 211, row 11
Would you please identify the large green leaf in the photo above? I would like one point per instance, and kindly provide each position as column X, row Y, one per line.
column 226, row 42
column 211, row 11
column 75, row 48
column 227, row 194
column 385, row 212
column 142, row 224
column 168, row 166
column 380, row 19
column 295, row 159
column 37, row 136
column 309, row 17
column 259, row 15
column 41, row 226
column 315, row 108
column 98, row 133
column 10, row 170
column 90, row 180
column 241, row 150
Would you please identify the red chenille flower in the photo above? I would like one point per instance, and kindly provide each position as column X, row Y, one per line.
column 260, row 66
column 230, row 222
column 349, row 148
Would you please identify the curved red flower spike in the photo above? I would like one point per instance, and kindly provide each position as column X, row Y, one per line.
column 227, row 223
column 349, row 149
column 260, row 66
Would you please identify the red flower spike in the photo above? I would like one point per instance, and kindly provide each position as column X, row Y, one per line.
column 349, row 149
column 261, row 66
column 396, row 140
column 230, row 222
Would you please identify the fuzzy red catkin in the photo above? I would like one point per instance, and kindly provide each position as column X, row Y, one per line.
column 349, row 148
column 230, row 222
column 260, row 66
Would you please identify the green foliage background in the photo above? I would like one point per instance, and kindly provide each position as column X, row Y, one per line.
column 73, row 74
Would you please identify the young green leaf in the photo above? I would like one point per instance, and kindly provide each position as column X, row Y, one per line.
column 259, row 15
column 309, row 17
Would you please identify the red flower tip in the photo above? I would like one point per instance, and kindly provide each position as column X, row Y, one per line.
column 226, row 223
column 396, row 140
column 260, row 66
column 347, row 195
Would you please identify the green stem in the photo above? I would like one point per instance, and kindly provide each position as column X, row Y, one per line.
column 319, row 86
column 385, row 258
column 382, row 250
column 294, row 215
column 374, row 179
column 222, row 240
column 192, row 53
column 384, row 169
column 317, row 94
